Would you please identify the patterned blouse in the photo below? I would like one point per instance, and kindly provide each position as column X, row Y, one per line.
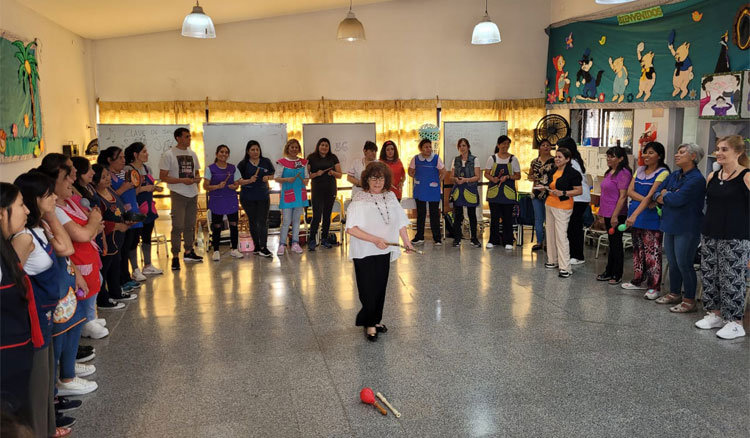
column 539, row 174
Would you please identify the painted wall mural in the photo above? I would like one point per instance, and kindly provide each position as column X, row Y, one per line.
column 21, row 133
column 655, row 57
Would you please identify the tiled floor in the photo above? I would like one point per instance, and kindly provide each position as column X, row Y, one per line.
column 481, row 343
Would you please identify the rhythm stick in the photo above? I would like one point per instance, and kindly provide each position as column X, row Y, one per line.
column 407, row 249
column 385, row 402
column 367, row 396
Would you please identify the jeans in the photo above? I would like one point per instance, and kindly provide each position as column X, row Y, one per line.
column 434, row 219
column 680, row 249
column 129, row 245
column 257, row 216
column 89, row 308
column 539, row 216
column 66, row 348
column 145, row 238
column 217, row 223
column 290, row 216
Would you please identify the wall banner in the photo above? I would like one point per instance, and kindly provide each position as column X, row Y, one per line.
column 646, row 58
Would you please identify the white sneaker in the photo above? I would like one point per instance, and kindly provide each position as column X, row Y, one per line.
column 577, row 262
column 732, row 330
column 77, row 386
column 83, row 370
column 710, row 321
column 101, row 321
column 216, row 257
column 94, row 331
column 651, row 294
column 631, row 286
column 236, row 254
column 138, row 276
column 508, row 247
column 489, row 245
column 151, row 270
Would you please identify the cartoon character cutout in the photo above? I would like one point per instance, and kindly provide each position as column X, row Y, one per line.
column 683, row 67
column 648, row 73
column 621, row 78
column 584, row 78
column 562, row 83
column 722, row 64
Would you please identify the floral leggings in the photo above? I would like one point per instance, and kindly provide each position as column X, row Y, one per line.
column 724, row 270
column 647, row 257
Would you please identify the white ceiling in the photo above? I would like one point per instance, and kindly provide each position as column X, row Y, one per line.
column 98, row 19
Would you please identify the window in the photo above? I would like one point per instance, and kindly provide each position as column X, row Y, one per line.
column 603, row 127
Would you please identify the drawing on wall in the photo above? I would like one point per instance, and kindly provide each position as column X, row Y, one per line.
column 721, row 96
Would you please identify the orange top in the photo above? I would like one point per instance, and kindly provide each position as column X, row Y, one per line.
column 554, row 201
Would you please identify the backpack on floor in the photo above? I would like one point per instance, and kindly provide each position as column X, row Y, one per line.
column 449, row 220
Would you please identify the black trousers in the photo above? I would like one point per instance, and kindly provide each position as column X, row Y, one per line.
column 575, row 230
column 372, row 279
column 111, row 279
column 322, row 205
column 130, row 243
column 616, row 255
column 434, row 219
column 504, row 212
column 217, row 223
column 458, row 220
column 257, row 216
column 15, row 374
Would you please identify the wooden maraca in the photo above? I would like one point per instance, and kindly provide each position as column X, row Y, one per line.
column 367, row 396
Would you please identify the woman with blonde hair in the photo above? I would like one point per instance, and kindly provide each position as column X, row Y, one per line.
column 725, row 248
column 293, row 176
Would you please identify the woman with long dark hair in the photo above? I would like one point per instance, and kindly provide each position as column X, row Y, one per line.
column 136, row 156
column 580, row 203
column 324, row 169
column 20, row 332
column 220, row 183
column 612, row 208
column 256, row 170
column 389, row 156
column 644, row 221
column 502, row 170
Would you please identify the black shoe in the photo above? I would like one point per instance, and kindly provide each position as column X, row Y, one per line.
column 371, row 337
column 326, row 244
column 551, row 265
column 85, row 355
column 311, row 245
column 175, row 264
column 125, row 297
column 64, row 404
column 64, row 421
column 265, row 253
column 192, row 257
column 537, row 247
column 416, row 241
column 456, row 243
column 111, row 305
column 476, row 243
column 381, row 328
column 603, row 277
column 563, row 274
column 438, row 243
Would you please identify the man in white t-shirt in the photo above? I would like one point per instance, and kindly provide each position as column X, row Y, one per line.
column 180, row 169
column 354, row 173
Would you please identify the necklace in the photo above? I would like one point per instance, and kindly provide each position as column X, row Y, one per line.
column 721, row 180
column 387, row 217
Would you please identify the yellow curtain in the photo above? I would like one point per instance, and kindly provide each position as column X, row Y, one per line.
column 294, row 114
column 172, row 112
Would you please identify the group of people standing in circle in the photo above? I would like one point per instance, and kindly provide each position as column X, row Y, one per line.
column 664, row 214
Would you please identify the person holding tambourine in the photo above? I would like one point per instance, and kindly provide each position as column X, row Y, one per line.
column 465, row 193
column 139, row 174
column 113, row 159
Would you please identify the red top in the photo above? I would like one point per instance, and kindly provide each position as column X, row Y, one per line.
column 398, row 173
column 86, row 255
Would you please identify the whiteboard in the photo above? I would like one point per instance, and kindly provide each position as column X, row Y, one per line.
column 347, row 140
column 482, row 137
column 271, row 136
column 157, row 138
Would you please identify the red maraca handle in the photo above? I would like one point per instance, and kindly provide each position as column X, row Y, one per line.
column 612, row 231
column 380, row 408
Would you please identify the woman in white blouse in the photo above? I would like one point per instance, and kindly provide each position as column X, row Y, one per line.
column 375, row 221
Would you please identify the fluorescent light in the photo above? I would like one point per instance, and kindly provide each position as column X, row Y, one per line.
column 485, row 32
column 198, row 25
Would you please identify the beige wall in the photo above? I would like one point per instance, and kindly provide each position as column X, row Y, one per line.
column 65, row 80
column 414, row 49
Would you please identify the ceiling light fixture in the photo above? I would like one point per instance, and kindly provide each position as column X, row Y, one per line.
column 485, row 32
column 351, row 29
column 198, row 25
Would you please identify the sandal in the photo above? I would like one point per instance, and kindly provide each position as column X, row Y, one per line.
column 684, row 307
column 669, row 298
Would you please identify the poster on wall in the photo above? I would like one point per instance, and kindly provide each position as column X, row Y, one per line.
column 721, row 96
column 21, row 135
column 653, row 57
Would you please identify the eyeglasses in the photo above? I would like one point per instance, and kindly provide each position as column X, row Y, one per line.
column 376, row 178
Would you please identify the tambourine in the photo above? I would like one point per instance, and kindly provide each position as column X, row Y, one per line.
column 135, row 177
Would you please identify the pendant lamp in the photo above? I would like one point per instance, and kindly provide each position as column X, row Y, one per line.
column 485, row 32
column 198, row 25
column 351, row 29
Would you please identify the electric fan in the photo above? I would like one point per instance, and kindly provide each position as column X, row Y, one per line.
column 551, row 127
